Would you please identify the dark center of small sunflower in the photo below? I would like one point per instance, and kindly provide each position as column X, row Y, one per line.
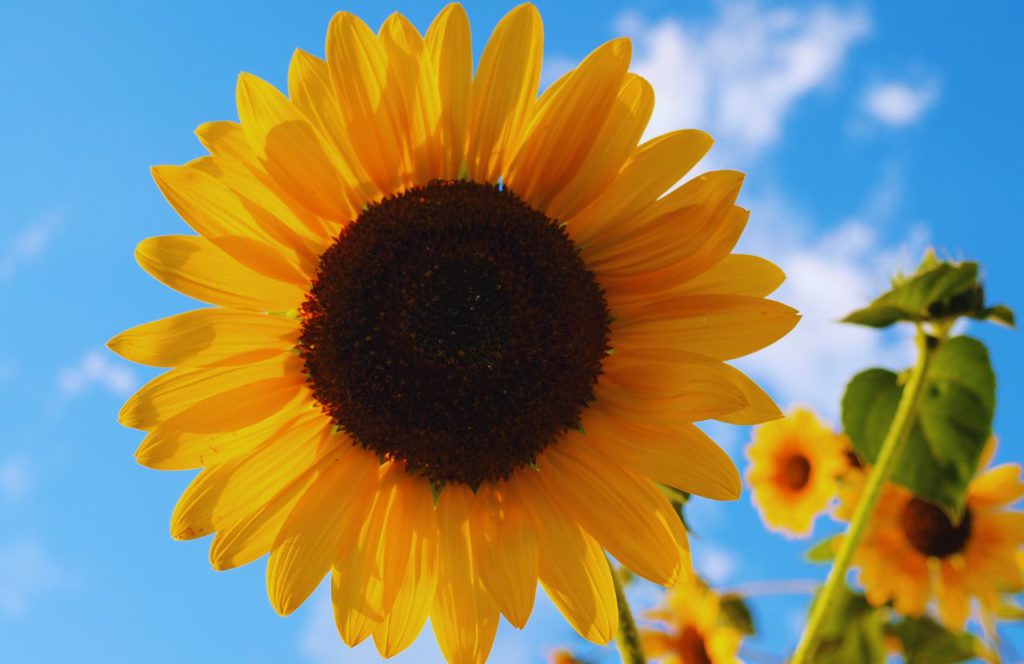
column 691, row 647
column 931, row 532
column 455, row 328
column 796, row 472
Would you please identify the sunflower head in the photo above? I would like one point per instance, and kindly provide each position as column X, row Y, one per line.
column 693, row 629
column 794, row 463
column 914, row 551
column 460, row 333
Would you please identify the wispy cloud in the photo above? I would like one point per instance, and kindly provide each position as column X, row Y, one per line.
column 900, row 104
column 714, row 563
column 30, row 242
column 27, row 572
column 15, row 478
column 97, row 369
column 740, row 75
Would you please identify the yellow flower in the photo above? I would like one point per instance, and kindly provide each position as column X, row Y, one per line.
column 696, row 631
column 912, row 552
column 461, row 333
column 794, row 463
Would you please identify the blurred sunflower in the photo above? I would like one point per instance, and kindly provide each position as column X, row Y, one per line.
column 913, row 552
column 794, row 463
column 461, row 333
column 696, row 630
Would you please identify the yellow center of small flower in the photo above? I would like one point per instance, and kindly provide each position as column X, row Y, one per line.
column 929, row 529
column 796, row 472
column 455, row 328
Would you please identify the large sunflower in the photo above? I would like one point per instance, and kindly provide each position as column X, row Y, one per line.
column 461, row 333
column 912, row 552
column 794, row 463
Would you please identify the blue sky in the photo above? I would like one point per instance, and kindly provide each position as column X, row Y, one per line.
column 868, row 131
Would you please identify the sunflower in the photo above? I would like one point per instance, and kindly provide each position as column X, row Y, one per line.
column 794, row 463
column 461, row 333
column 696, row 631
column 912, row 552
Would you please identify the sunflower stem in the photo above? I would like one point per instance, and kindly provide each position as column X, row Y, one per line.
column 892, row 446
column 628, row 637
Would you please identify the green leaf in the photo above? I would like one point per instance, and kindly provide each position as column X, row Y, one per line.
column 929, row 294
column 824, row 551
column 1010, row 611
column 927, row 642
column 852, row 633
column 1000, row 313
column 737, row 613
column 953, row 423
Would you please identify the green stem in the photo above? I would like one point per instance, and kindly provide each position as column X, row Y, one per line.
column 628, row 637
column 892, row 446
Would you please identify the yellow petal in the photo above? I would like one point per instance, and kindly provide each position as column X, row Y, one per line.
column 415, row 592
column 356, row 593
column 654, row 167
column 666, row 386
column 252, row 536
column 709, row 245
column 207, row 337
column 324, row 524
column 309, row 83
column 411, row 525
column 573, row 568
column 566, row 124
column 680, row 456
column 413, row 78
column 168, row 449
column 285, row 222
column 196, row 267
column 463, row 616
column 217, row 213
column 239, row 396
column 359, row 70
column 293, row 152
column 627, row 514
column 616, row 142
column 760, row 407
column 1001, row 485
column 451, row 51
column 504, row 88
column 225, row 493
column 505, row 550
column 720, row 326
column 736, row 274
column 676, row 226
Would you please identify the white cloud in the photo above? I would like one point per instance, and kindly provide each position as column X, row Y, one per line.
column 741, row 74
column 829, row 275
column 900, row 104
column 553, row 68
column 715, row 564
column 15, row 477
column 31, row 241
column 96, row 368
column 27, row 572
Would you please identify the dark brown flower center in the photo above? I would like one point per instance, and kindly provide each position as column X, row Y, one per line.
column 796, row 472
column 930, row 530
column 455, row 328
column 691, row 647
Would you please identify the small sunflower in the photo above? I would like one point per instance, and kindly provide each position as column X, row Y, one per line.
column 794, row 463
column 912, row 552
column 461, row 333
column 696, row 631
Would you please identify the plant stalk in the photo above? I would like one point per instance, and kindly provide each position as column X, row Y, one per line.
column 892, row 446
column 628, row 637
